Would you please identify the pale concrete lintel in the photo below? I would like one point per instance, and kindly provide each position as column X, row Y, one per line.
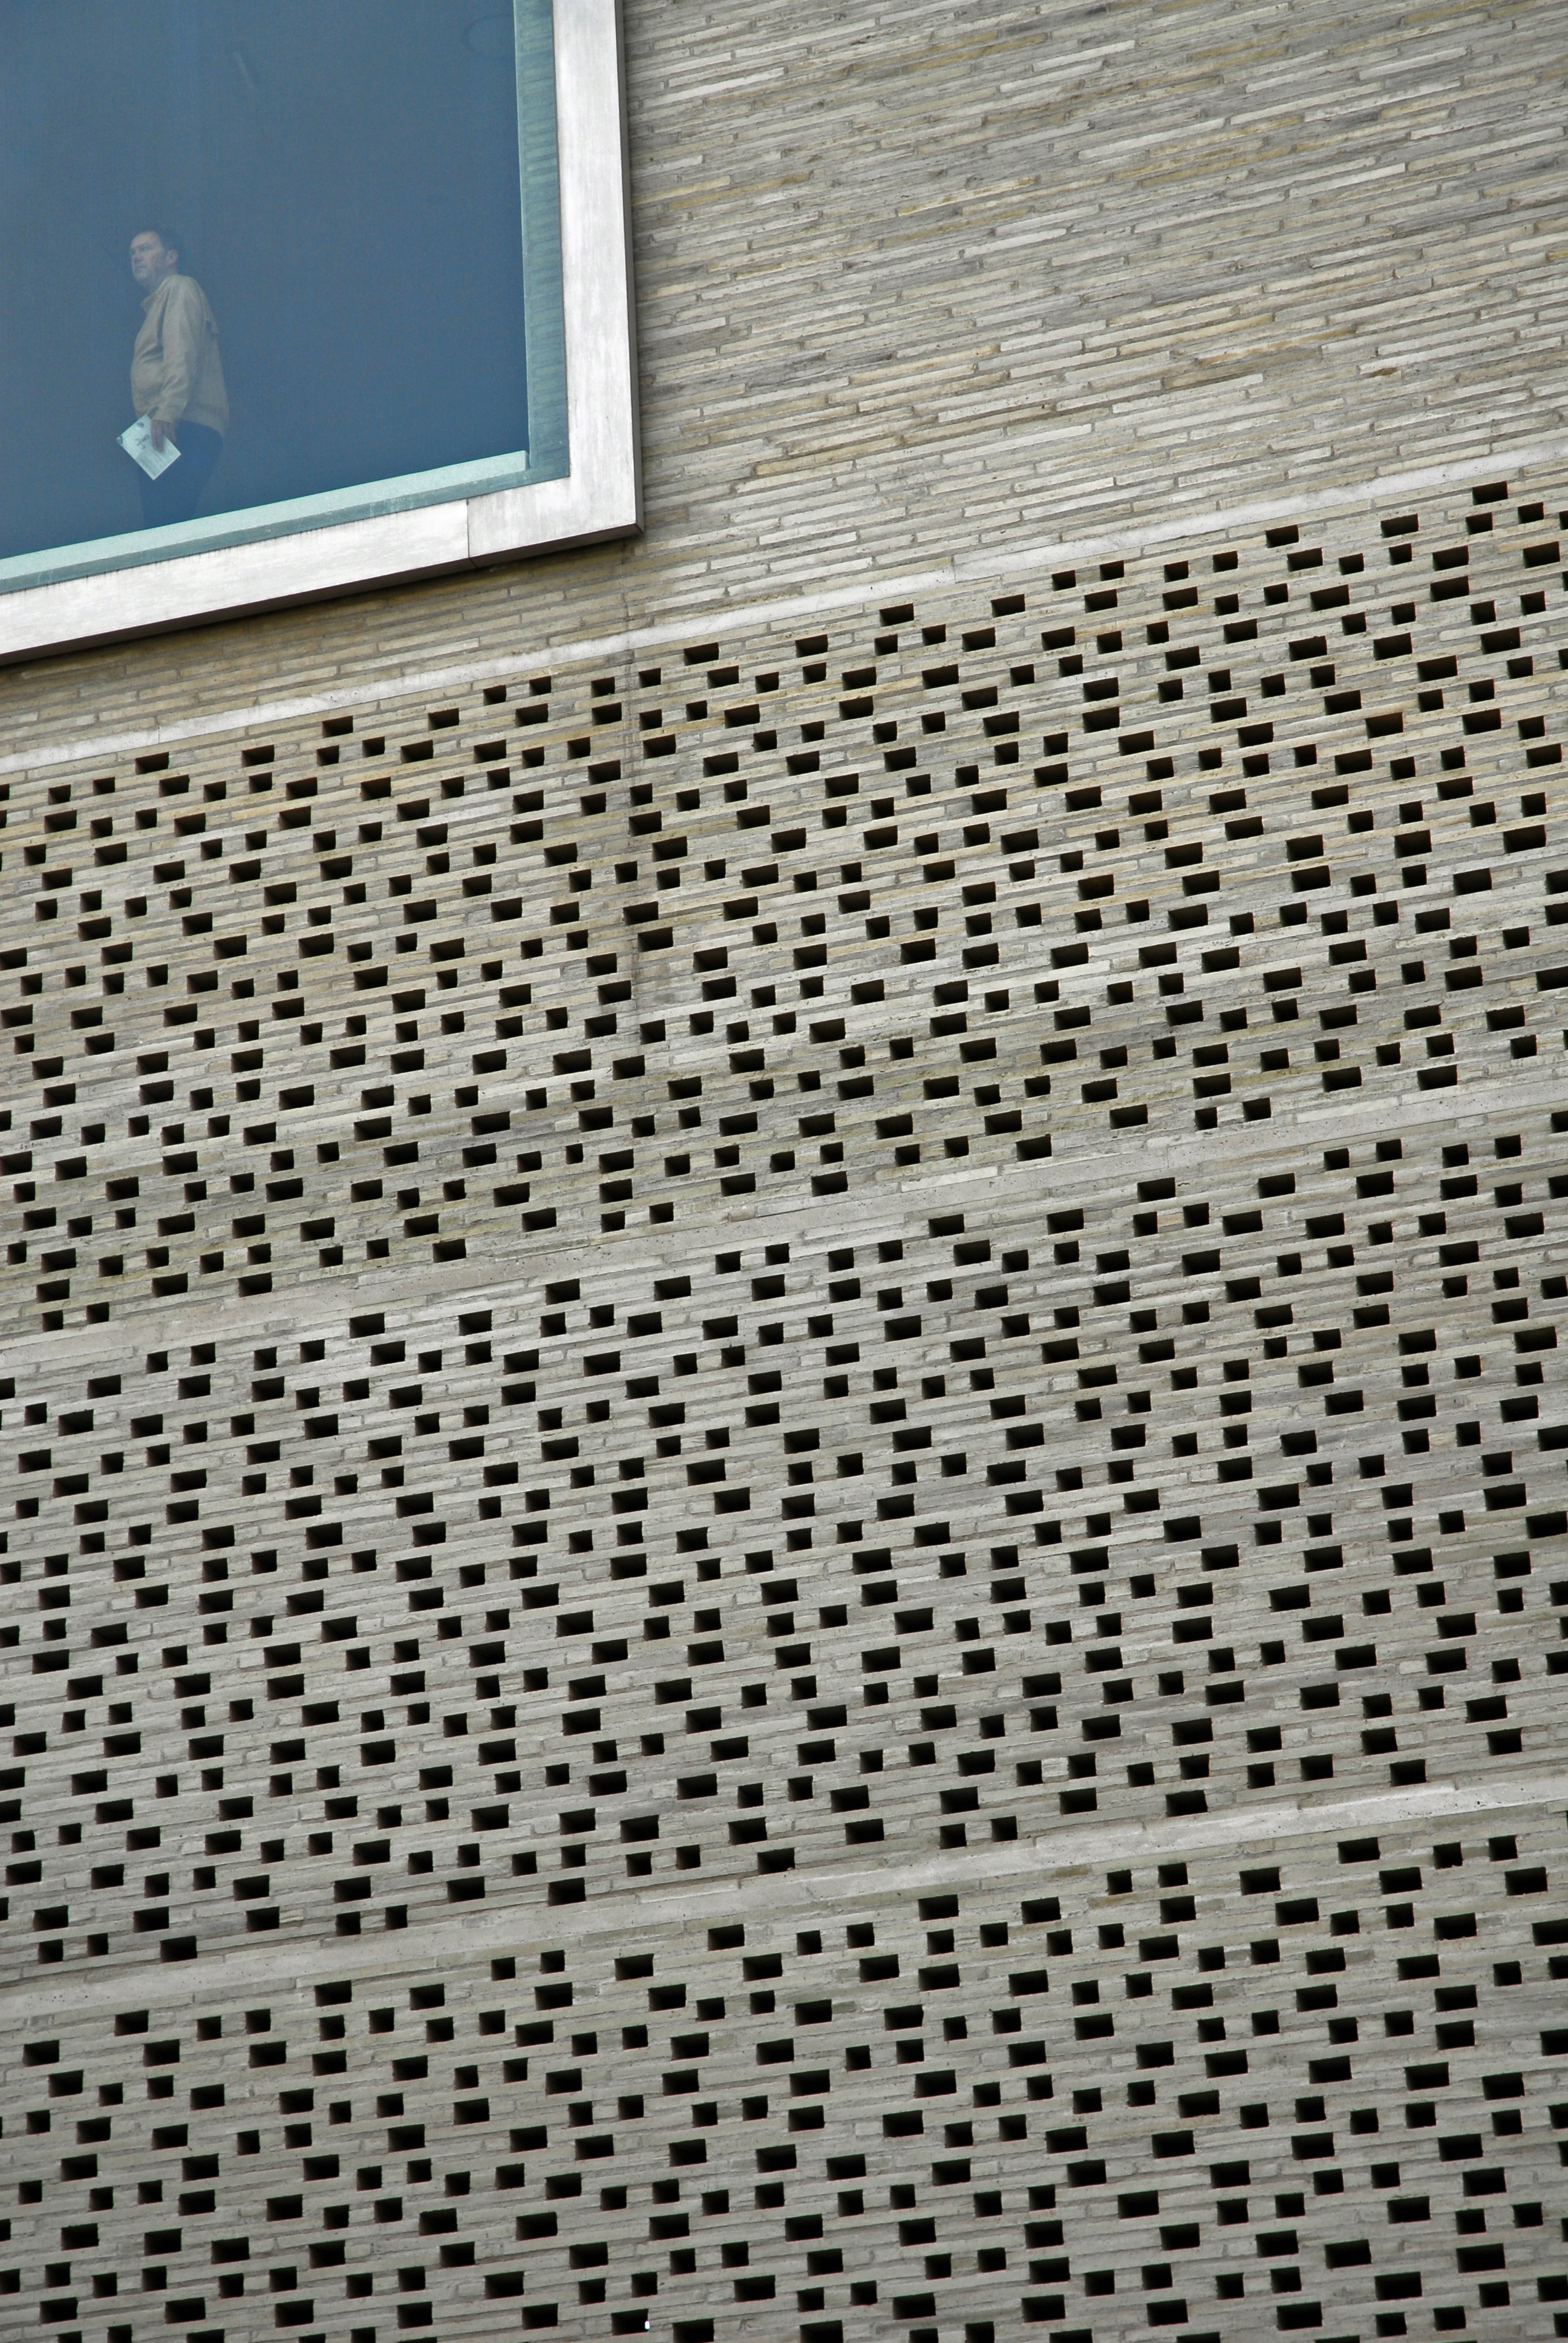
column 884, row 1209
column 978, row 569
column 631, row 1915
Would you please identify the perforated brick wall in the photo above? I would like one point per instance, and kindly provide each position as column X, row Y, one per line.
column 788, row 1476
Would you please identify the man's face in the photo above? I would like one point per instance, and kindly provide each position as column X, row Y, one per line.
column 151, row 260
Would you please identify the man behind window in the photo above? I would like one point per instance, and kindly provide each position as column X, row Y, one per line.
column 176, row 377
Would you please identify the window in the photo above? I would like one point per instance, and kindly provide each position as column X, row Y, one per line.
column 343, row 257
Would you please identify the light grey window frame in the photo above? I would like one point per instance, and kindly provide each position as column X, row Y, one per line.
column 595, row 493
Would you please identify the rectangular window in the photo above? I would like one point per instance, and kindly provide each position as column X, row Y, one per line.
column 314, row 293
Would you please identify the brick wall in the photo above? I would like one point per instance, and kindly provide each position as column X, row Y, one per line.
column 783, row 1380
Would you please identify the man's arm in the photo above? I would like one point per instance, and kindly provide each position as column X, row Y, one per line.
column 181, row 329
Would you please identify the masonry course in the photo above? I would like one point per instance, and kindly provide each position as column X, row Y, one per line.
column 787, row 1553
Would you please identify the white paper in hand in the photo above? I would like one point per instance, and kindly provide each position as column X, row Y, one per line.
column 137, row 443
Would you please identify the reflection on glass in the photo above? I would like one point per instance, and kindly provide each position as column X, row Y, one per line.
column 329, row 295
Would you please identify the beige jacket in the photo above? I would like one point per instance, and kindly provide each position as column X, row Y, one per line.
column 176, row 371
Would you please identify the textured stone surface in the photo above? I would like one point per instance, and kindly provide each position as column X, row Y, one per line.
column 785, row 1443
column 948, row 1354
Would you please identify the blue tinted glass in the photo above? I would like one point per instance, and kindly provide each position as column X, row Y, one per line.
column 288, row 235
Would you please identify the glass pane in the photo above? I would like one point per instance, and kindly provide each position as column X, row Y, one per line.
column 331, row 298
